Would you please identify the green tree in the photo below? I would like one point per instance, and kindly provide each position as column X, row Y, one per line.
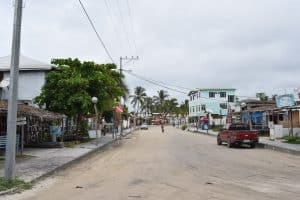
column 138, row 98
column 69, row 89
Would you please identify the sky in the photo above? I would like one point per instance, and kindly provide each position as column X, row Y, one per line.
column 250, row 45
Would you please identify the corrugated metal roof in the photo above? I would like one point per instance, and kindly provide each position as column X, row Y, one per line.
column 26, row 64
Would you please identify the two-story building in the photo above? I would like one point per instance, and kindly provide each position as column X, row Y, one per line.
column 212, row 102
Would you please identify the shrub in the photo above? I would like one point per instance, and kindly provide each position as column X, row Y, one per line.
column 183, row 127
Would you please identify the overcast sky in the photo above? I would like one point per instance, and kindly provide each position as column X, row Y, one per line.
column 250, row 45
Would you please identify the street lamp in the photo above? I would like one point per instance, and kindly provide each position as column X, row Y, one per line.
column 95, row 101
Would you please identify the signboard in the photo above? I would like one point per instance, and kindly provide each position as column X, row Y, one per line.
column 21, row 121
column 285, row 100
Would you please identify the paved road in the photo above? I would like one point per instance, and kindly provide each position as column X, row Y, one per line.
column 175, row 165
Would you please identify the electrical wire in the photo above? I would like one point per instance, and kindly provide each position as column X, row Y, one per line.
column 114, row 24
column 155, row 83
column 123, row 24
column 131, row 25
column 95, row 30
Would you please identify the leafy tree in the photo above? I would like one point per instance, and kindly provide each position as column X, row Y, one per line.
column 138, row 98
column 69, row 89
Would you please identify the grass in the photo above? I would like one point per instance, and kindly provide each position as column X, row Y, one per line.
column 291, row 139
column 16, row 183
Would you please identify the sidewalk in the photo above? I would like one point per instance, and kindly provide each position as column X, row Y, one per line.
column 278, row 145
column 264, row 142
column 39, row 162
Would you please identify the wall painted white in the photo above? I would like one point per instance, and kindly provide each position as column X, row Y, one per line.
column 30, row 84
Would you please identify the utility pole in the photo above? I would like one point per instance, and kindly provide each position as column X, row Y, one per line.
column 121, row 70
column 10, row 152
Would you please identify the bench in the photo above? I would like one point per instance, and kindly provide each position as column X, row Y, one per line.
column 3, row 140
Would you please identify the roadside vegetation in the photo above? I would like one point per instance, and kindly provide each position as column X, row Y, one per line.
column 291, row 139
column 19, row 184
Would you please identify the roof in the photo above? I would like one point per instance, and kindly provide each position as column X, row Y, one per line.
column 26, row 110
column 205, row 89
column 26, row 64
column 208, row 89
column 257, row 101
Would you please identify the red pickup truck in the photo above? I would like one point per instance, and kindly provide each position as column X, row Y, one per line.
column 237, row 135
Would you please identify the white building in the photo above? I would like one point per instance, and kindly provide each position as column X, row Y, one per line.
column 32, row 74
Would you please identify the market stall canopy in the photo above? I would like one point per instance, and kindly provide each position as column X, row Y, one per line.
column 26, row 110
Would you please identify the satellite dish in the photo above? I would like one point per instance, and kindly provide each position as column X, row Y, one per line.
column 4, row 83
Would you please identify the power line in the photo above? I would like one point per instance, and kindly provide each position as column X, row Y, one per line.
column 123, row 24
column 155, row 83
column 114, row 24
column 95, row 30
column 131, row 24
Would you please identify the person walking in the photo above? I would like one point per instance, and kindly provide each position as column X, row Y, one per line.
column 162, row 126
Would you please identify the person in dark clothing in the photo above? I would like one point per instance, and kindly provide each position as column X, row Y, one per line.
column 162, row 125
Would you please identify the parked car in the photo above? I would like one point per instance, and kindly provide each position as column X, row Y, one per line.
column 144, row 126
column 237, row 135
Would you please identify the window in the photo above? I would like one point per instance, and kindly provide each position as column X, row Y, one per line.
column 191, row 98
column 230, row 98
column 212, row 94
column 203, row 107
column 223, row 105
column 193, row 108
column 223, row 94
column 280, row 117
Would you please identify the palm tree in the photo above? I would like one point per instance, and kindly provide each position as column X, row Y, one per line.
column 171, row 106
column 138, row 98
column 148, row 105
column 160, row 100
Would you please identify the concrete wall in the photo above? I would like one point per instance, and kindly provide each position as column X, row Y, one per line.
column 30, row 84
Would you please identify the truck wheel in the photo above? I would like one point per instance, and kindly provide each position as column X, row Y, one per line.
column 229, row 144
column 219, row 141
column 252, row 145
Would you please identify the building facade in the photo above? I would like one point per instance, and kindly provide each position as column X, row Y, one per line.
column 212, row 102
column 32, row 75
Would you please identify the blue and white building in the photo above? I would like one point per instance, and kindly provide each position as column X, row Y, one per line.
column 212, row 102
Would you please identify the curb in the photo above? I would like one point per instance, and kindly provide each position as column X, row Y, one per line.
column 9, row 191
column 68, row 164
column 262, row 145
column 278, row 149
